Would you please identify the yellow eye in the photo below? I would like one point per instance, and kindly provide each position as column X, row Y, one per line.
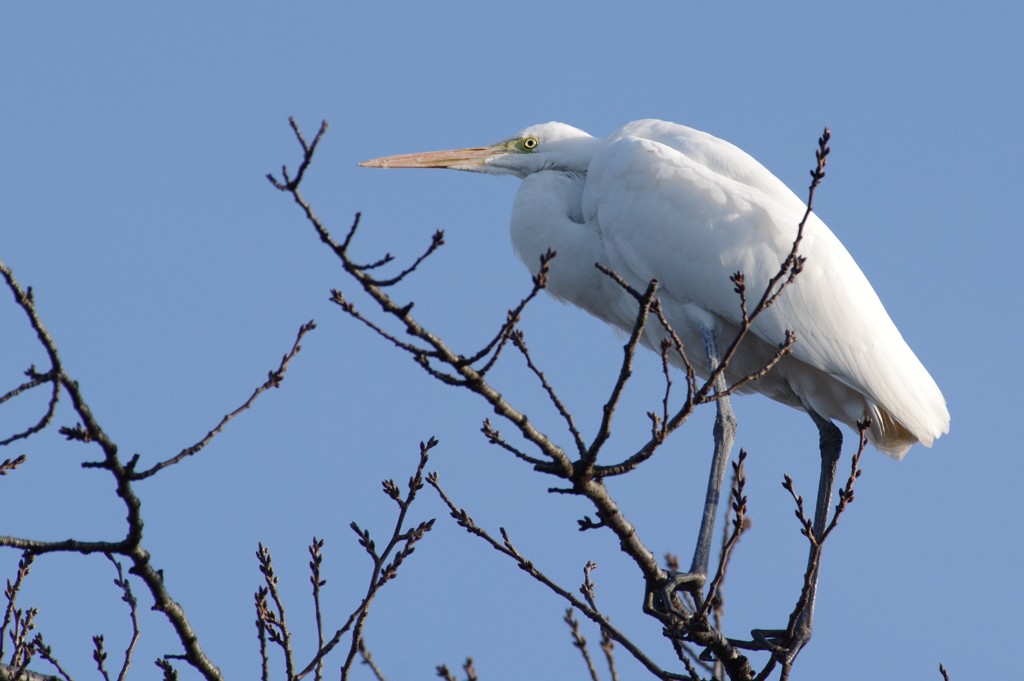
column 529, row 143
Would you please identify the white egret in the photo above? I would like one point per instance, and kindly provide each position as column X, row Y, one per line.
column 657, row 200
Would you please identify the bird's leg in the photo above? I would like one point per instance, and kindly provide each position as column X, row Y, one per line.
column 786, row 645
column 830, row 441
column 725, row 436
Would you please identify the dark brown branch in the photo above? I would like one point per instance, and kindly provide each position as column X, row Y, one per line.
column 262, row 631
column 607, row 642
column 90, row 431
column 783, row 349
column 367, row 657
column 664, row 426
column 274, row 379
column 339, row 299
column 385, row 564
column 8, row 465
column 435, row 243
column 684, row 655
column 24, row 299
column 39, row 547
column 308, row 151
column 45, row 652
column 677, row 345
column 625, row 371
column 608, row 648
column 467, row 667
column 11, row 594
column 579, row 642
column 99, row 656
column 494, row 437
column 519, row 341
column 35, row 380
column 513, row 316
column 164, row 665
column 506, row 548
column 316, row 558
column 469, row 377
column 658, row 421
column 274, row 620
column 128, row 597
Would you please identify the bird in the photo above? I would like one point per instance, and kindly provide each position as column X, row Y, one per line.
column 661, row 201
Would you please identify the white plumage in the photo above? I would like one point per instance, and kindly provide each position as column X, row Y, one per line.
column 657, row 200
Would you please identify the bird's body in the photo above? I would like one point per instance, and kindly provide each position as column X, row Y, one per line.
column 657, row 200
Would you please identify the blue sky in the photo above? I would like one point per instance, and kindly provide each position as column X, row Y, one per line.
column 135, row 141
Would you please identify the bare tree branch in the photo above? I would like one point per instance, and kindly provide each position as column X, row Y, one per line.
column 368, row 660
column 400, row 546
column 506, row 548
column 274, row 379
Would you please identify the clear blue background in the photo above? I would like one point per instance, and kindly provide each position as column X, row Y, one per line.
column 133, row 147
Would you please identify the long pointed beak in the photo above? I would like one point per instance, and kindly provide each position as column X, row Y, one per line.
column 460, row 159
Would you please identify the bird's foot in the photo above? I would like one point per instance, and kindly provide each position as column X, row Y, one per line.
column 663, row 598
column 781, row 643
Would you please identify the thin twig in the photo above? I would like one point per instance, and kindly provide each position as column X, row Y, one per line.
column 625, row 371
column 494, row 437
column 364, row 653
column 262, row 631
column 435, row 243
column 46, row 652
column 275, row 620
column 128, row 597
column 739, row 525
column 11, row 595
column 579, row 642
column 385, row 564
column 308, row 151
column 99, row 656
column 8, row 465
column 316, row 558
column 519, row 342
column 24, row 299
column 506, row 548
column 817, row 543
column 512, row 318
column 274, row 379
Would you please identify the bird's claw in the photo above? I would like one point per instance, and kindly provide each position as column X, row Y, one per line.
column 662, row 596
column 783, row 645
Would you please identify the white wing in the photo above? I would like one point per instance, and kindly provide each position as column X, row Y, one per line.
column 688, row 209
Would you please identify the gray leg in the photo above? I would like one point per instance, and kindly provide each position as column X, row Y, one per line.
column 725, row 436
column 784, row 646
column 830, row 441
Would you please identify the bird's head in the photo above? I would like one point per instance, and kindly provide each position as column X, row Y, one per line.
column 548, row 146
